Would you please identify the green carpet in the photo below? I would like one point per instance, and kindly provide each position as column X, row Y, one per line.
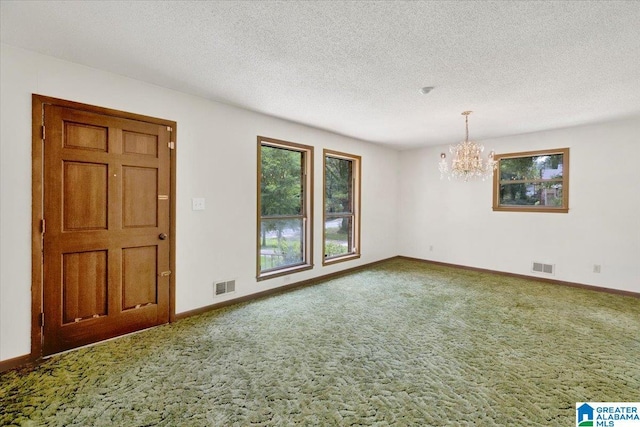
column 402, row 343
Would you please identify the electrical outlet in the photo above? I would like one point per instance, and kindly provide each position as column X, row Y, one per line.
column 197, row 204
column 431, row 248
column 596, row 268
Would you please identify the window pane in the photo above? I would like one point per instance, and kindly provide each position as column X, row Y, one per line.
column 341, row 239
column 532, row 167
column 282, row 243
column 530, row 194
column 281, row 181
column 338, row 185
column 532, row 181
column 338, row 234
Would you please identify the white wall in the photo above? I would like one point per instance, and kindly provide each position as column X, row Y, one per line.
column 405, row 207
column 216, row 160
column 602, row 226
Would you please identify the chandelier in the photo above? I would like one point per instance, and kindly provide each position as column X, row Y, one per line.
column 467, row 161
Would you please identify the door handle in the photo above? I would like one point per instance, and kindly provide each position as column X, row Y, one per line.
column 162, row 236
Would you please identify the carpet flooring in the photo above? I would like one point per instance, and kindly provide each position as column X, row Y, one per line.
column 402, row 343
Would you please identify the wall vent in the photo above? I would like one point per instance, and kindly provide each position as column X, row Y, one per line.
column 221, row 288
column 539, row 267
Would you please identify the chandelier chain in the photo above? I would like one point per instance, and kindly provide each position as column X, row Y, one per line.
column 466, row 123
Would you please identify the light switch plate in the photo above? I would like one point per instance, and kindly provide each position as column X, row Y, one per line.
column 197, row 204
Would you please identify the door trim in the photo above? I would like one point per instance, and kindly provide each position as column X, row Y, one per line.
column 37, row 210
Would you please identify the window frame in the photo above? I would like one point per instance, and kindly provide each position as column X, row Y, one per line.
column 356, row 173
column 306, row 215
column 522, row 208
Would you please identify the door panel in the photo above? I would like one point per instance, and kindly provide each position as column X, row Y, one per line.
column 87, row 137
column 139, row 197
column 85, row 196
column 103, row 256
column 139, row 276
column 84, row 277
column 139, row 143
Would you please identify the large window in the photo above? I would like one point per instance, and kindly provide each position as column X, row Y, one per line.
column 285, row 203
column 341, row 207
column 533, row 181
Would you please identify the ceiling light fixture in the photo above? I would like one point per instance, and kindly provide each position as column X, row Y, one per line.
column 467, row 161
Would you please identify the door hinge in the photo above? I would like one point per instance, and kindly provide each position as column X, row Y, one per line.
column 43, row 132
column 41, row 319
column 169, row 129
column 43, row 226
column 172, row 145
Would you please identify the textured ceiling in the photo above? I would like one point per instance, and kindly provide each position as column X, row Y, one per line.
column 356, row 68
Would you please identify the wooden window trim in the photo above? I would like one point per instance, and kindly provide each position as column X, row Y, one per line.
column 307, row 263
column 357, row 174
column 565, row 182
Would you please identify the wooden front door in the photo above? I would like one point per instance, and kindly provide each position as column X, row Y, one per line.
column 106, row 245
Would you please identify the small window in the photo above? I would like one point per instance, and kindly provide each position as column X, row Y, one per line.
column 341, row 207
column 285, row 203
column 533, row 181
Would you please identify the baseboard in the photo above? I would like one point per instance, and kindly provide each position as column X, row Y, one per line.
column 278, row 290
column 16, row 362
column 524, row 276
column 19, row 361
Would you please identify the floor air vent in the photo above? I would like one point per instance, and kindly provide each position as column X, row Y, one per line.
column 221, row 288
column 538, row 267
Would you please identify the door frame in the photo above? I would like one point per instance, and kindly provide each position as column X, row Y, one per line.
column 37, row 205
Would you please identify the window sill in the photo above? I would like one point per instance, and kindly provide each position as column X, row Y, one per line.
column 343, row 258
column 283, row 272
column 529, row 209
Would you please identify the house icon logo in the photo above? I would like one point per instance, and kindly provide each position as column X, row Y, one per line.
column 584, row 417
